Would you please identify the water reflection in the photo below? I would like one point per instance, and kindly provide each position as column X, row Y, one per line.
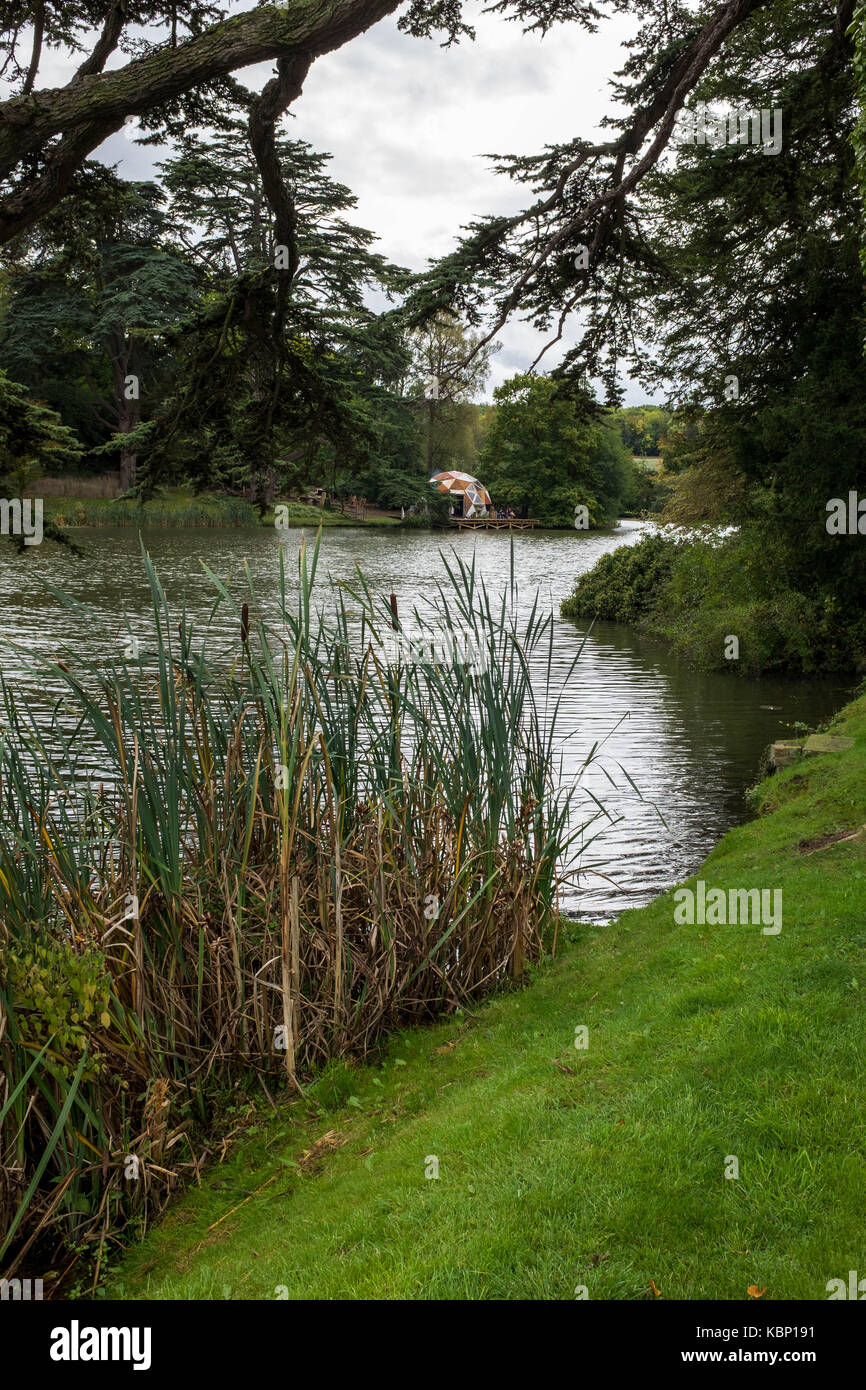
column 691, row 743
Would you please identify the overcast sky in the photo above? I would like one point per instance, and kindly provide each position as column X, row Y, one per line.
column 408, row 124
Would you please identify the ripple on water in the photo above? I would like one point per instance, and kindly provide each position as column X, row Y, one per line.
column 690, row 743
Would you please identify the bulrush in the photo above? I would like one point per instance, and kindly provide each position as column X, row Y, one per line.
column 248, row 892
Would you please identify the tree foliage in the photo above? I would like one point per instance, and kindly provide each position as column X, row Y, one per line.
column 548, row 451
column 32, row 437
column 91, row 294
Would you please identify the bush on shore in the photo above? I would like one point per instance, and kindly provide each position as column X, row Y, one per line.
column 624, row 585
column 698, row 593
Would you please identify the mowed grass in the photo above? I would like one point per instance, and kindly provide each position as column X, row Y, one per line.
column 602, row 1167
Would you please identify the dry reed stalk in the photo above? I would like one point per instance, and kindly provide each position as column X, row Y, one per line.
column 295, row 921
column 299, row 898
column 139, row 983
column 286, row 965
column 338, row 930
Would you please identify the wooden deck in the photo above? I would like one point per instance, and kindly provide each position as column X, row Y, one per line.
column 494, row 523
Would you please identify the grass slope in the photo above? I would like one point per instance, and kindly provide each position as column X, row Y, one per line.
column 602, row 1167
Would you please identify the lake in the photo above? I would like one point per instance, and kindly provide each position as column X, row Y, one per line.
column 691, row 743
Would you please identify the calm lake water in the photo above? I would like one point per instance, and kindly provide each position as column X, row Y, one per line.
column 691, row 743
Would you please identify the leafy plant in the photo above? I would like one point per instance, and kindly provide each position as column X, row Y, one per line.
column 291, row 850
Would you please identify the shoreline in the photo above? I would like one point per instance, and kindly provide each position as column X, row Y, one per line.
column 176, row 508
column 697, row 1037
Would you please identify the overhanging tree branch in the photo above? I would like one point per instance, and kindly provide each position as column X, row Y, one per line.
column 661, row 111
column 94, row 104
column 265, row 110
column 106, row 43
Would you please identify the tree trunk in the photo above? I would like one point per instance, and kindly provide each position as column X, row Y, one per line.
column 128, row 466
column 430, row 409
column 128, row 417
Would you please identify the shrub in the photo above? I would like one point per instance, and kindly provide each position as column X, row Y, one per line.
column 624, row 585
column 695, row 593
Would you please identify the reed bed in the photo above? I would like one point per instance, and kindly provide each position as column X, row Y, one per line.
column 294, row 845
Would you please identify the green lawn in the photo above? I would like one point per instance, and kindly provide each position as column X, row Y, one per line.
column 602, row 1167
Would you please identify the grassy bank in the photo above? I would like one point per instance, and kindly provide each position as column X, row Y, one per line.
column 603, row 1167
column 176, row 507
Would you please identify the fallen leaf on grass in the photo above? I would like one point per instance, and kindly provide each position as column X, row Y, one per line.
column 326, row 1144
column 754, row 1292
